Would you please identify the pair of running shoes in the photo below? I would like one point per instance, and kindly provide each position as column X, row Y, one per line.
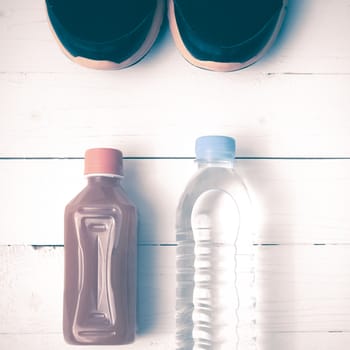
column 218, row 35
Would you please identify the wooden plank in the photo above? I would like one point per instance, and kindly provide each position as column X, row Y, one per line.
column 56, row 342
column 314, row 39
column 304, row 341
column 298, row 289
column 160, row 116
column 32, row 289
column 295, row 201
column 31, row 285
column 44, row 187
column 146, row 109
column 299, row 341
column 303, row 288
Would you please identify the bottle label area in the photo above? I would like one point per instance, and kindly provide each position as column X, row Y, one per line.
column 97, row 238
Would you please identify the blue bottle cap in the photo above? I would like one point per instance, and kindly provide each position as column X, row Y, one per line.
column 215, row 148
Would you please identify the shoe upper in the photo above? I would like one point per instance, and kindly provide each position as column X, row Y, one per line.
column 104, row 30
column 226, row 30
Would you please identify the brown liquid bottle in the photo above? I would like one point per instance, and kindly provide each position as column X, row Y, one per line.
column 99, row 305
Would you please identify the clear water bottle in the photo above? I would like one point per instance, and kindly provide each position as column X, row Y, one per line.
column 213, row 211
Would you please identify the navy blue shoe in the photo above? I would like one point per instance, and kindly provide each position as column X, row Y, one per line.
column 225, row 35
column 105, row 34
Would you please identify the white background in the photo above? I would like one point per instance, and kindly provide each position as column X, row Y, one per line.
column 290, row 115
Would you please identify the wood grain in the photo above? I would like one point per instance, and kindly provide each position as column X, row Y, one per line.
column 294, row 201
column 31, row 285
column 145, row 114
column 289, row 113
column 293, row 103
column 300, row 290
column 303, row 341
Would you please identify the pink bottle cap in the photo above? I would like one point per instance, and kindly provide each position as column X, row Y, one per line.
column 100, row 161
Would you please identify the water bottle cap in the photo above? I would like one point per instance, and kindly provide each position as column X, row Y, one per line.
column 108, row 161
column 215, row 148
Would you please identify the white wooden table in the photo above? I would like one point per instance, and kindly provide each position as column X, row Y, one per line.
column 290, row 115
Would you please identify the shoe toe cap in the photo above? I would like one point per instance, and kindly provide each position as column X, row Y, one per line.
column 102, row 32
column 226, row 36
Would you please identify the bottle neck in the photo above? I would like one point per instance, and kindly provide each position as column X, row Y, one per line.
column 206, row 163
column 103, row 180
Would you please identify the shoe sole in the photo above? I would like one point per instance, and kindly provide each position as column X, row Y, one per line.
column 220, row 66
column 137, row 56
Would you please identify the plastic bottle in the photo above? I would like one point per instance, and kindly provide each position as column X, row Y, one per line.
column 212, row 213
column 100, row 256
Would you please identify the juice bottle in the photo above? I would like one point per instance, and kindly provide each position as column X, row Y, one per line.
column 100, row 256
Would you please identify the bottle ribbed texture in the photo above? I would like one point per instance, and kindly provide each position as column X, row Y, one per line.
column 211, row 217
